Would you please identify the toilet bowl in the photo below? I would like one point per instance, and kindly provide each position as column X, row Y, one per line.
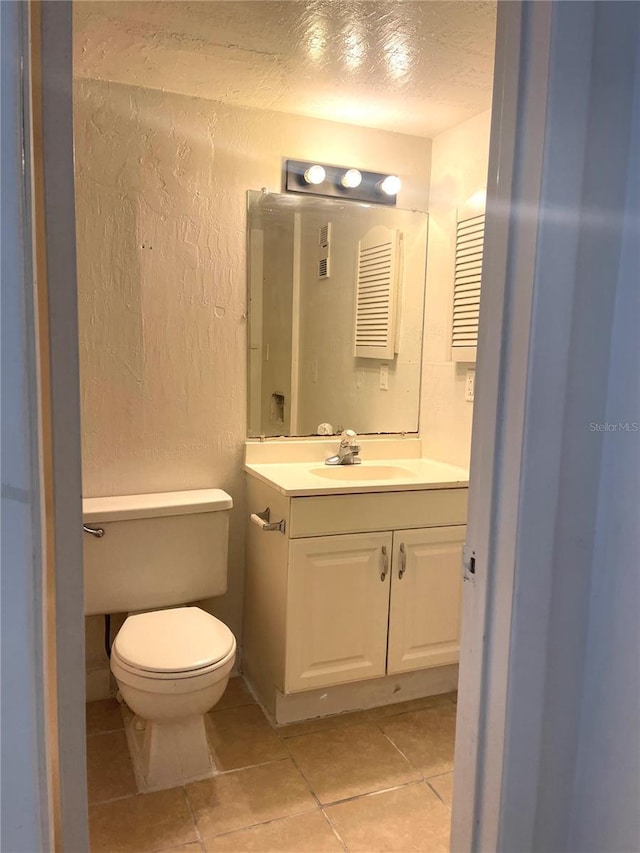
column 150, row 555
column 171, row 666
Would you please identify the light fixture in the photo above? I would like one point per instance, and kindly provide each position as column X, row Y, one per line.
column 315, row 175
column 351, row 179
column 477, row 201
column 391, row 185
column 347, row 183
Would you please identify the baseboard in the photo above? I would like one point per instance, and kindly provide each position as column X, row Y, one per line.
column 360, row 695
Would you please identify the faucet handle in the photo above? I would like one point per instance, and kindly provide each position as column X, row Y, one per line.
column 348, row 438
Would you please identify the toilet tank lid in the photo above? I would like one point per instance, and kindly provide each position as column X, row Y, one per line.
column 120, row 507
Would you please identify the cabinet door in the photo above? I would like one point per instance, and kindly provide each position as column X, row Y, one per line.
column 337, row 609
column 424, row 615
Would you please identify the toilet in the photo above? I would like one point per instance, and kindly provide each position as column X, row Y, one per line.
column 151, row 556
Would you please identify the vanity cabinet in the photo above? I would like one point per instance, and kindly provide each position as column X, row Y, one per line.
column 366, row 605
column 358, row 587
column 338, row 595
column 424, row 607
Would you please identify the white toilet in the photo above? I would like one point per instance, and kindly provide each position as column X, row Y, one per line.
column 142, row 555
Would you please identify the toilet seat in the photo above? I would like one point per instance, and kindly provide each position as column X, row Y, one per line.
column 182, row 642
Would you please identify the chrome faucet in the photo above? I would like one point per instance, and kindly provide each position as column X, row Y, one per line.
column 348, row 451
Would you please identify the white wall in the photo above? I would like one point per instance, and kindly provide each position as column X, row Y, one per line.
column 459, row 162
column 161, row 183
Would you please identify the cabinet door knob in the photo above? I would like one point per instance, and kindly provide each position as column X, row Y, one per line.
column 385, row 563
column 403, row 561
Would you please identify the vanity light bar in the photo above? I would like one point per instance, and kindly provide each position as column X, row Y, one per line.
column 344, row 182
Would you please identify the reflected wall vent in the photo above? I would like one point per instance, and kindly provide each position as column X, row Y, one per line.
column 324, row 251
column 466, row 287
column 377, row 287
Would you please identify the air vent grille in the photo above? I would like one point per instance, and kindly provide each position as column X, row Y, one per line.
column 466, row 288
column 376, row 294
column 324, row 251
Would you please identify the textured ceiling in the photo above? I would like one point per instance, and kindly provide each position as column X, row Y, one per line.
column 412, row 67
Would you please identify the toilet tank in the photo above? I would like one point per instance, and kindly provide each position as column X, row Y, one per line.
column 157, row 550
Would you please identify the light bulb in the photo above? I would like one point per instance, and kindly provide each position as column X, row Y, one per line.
column 478, row 200
column 351, row 179
column 391, row 185
column 315, row 175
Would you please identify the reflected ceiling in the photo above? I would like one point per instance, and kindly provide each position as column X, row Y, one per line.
column 412, row 67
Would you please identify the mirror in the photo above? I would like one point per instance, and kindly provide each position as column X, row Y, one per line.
column 336, row 304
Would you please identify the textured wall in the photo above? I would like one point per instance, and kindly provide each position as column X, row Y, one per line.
column 460, row 158
column 161, row 198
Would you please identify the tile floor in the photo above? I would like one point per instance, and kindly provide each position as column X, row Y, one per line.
column 376, row 780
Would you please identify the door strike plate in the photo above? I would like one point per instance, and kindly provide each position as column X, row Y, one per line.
column 468, row 563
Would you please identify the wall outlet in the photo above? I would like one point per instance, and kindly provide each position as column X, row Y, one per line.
column 470, row 386
column 384, row 377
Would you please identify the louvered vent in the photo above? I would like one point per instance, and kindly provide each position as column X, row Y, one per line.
column 466, row 287
column 324, row 250
column 376, row 294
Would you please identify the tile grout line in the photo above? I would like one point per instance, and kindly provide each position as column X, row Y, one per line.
column 313, row 793
column 105, row 732
column 193, row 817
column 372, row 793
column 334, row 829
column 437, row 793
column 307, row 782
column 238, row 829
column 424, row 777
column 218, row 773
column 396, row 747
column 116, row 799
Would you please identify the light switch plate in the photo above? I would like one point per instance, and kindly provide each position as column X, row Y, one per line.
column 384, row 377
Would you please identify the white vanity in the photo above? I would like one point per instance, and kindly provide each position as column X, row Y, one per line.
column 353, row 583
column 353, row 577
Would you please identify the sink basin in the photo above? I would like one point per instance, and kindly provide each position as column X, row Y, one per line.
column 362, row 472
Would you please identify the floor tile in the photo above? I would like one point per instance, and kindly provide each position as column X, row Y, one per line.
column 322, row 724
column 103, row 716
column 306, row 833
column 109, row 770
column 245, row 797
column 349, row 761
column 443, row 786
column 241, row 737
column 426, row 737
column 405, row 819
column 141, row 824
column 236, row 695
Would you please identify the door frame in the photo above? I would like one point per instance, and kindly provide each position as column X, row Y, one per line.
column 44, row 806
column 563, row 100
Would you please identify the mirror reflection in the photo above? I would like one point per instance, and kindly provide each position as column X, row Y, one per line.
column 336, row 304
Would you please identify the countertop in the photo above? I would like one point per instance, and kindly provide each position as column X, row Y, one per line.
column 297, row 479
